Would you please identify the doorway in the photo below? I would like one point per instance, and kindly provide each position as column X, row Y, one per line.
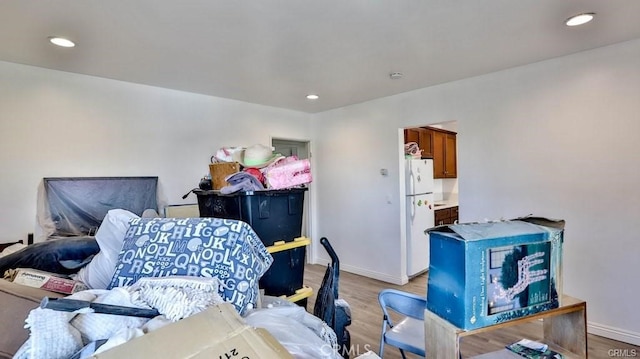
column 291, row 148
column 300, row 149
column 436, row 143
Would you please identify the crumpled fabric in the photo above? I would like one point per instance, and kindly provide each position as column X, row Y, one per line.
column 95, row 326
column 289, row 173
column 225, row 154
column 241, row 182
column 63, row 256
column 257, row 174
column 301, row 333
column 120, row 337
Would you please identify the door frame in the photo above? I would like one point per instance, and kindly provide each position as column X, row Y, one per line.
column 451, row 125
column 310, row 203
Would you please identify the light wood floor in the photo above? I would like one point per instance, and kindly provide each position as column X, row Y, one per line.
column 362, row 295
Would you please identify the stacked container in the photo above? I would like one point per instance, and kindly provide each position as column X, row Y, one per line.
column 276, row 217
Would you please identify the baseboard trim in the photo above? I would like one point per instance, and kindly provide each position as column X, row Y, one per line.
column 367, row 273
column 613, row 333
column 376, row 275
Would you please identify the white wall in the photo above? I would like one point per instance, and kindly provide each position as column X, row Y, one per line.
column 352, row 145
column 60, row 124
column 556, row 138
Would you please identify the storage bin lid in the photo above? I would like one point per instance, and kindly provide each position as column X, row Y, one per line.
column 266, row 192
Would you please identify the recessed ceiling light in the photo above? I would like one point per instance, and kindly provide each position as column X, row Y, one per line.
column 580, row 19
column 312, row 97
column 61, row 41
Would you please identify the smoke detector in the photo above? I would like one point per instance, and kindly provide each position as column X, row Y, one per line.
column 396, row 75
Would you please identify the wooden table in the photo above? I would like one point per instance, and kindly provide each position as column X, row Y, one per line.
column 564, row 328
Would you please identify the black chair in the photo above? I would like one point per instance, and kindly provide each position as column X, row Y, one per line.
column 328, row 306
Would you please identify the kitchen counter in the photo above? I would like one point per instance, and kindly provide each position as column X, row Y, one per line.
column 444, row 204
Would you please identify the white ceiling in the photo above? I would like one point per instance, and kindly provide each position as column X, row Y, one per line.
column 274, row 52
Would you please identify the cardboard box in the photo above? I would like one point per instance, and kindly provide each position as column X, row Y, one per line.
column 219, row 171
column 182, row 211
column 486, row 273
column 218, row 332
column 45, row 280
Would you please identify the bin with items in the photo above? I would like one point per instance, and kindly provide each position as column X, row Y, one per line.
column 276, row 216
column 265, row 190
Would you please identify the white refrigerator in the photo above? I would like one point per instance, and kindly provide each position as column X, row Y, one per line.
column 420, row 216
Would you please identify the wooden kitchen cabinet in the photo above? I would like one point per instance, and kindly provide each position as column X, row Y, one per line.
column 423, row 137
column 445, row 216
column 438, row 144
column 454, row 215
column 445, row 164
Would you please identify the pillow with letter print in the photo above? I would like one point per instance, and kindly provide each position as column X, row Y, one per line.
column 202, row 247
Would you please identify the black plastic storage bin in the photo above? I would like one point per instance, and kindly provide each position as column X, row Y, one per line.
column 286, row 273
column 275, row 215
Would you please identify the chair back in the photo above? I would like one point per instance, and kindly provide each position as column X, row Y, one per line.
column 408, row 304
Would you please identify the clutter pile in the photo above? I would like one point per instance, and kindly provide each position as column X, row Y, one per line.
column 60, row 334
column 91, row 323
column 175, row 288
column 255, row 168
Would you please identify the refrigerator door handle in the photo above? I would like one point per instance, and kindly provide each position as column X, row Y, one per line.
column 413, row 207
column 412, row 192
column 412, row 186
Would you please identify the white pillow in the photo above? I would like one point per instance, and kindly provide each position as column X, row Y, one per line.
column 110, row 236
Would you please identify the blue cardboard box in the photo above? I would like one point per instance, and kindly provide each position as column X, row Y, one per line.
column 482, row 274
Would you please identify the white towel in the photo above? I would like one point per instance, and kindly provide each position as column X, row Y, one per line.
column 176, row 297
column 52, row 337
